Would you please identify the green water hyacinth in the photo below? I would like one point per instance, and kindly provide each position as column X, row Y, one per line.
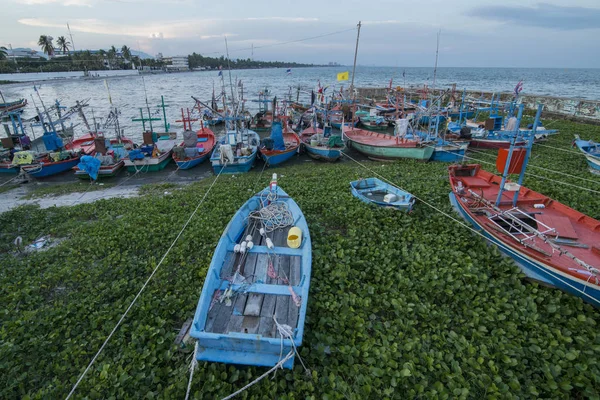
column 401, row 306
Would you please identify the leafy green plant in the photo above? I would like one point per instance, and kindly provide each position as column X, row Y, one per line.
column 401, row 306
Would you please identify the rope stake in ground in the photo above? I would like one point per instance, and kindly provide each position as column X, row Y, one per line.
column 142, row 289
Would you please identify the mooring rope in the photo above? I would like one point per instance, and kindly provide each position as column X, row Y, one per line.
column 142, row 289
column 555, row 276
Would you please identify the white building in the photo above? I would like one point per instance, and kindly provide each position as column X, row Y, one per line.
column 176, row 63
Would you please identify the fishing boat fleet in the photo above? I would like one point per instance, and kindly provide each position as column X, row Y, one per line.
column 254, row 300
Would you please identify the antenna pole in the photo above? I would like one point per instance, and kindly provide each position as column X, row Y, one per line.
column 355, row 55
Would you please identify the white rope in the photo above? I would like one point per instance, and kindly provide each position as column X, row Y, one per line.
column 579, row 153
column 10, row 180
column 141, row 290
column 548, row 271
column 192, row 368
column 275, row 367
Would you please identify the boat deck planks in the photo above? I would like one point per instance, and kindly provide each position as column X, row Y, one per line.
column 253, row 312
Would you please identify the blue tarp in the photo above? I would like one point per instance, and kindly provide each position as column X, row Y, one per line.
column 136, row 154
column 91, row 165
column 51, row 141
column 277, row 136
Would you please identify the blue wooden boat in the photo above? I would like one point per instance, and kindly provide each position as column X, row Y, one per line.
column 375, row 191
column 246, row 292
column 282, row 145
column 8, row 168
column 591, row 150
column 447, row 151
column 225, row 157
column 46, row 167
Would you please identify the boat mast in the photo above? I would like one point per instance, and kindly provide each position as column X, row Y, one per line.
column 147, row 107
column 437, row 50
column 231, row 87
column 509, row 157
column 355, row 55
column 538, row 115
column 45, row 110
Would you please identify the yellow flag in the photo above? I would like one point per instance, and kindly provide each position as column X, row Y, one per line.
column 342, row 76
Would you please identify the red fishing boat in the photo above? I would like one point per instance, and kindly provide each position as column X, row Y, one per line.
column 550, row 241
column 196, row 146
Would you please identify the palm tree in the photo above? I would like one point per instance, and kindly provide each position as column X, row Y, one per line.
column 3, row 53
column 126, row 51
column 112, row 53
column 63, row 44
column 46, row 44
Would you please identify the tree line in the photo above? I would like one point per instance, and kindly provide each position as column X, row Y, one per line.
column 114, row 58
column 197, row 60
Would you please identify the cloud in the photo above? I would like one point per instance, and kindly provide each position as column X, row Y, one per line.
column 79, row 3
column 543, row 15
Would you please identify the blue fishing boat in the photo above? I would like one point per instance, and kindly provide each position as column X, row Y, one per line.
column 375, row 191
column 228, row 159
column 280, row 146
column 447, row 151
column 253, row 303
column 321, row 145
column 591, row 150
column 47, row 167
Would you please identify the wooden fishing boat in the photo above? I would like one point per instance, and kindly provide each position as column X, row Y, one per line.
column 375, row 191
column 262, row 121
column 449, row 151
column 380, row 146
column 150, row 158
column 44, row 165
column 591, row 150
column 320, row 146
column 283, row 145
column 17, row 105
column 6, row 163
column 235, row 152
column 196, row 146
column 550, row 242
column 256, row 285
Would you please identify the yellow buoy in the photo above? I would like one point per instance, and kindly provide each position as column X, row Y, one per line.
column 294, row 238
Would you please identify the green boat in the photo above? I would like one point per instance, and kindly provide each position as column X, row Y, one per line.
column 379, row 146
column 372, row 122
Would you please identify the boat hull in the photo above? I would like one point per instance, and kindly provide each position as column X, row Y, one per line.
column 493, row 144
column 593, row 163
column 49, row 169
column 279, row 158
column 534, row 269
column 8, row 169
column 187, row 164
column 244, row 164
column 105, row 171
column 423, row 153
column 364, row 190
column 240, row 343
column 148, row 164
column 323, row 153
column 450, row 153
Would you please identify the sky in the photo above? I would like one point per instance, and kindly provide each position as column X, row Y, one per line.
column 474, row 33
